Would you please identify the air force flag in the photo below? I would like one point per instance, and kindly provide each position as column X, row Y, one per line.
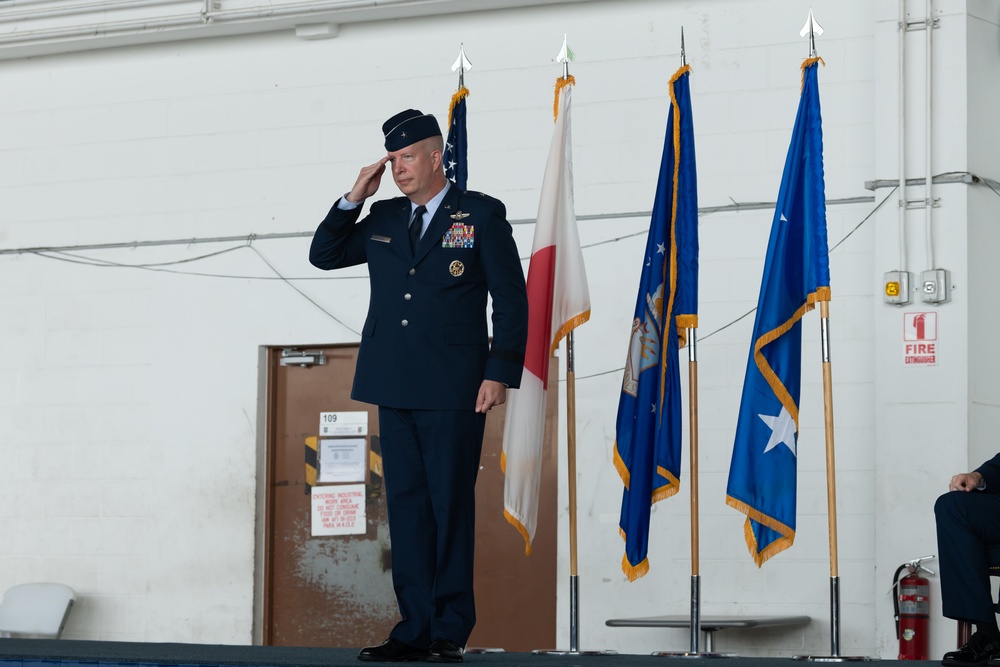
column 762, row 475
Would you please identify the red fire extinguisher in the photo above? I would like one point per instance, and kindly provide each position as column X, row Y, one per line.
column 911, row 604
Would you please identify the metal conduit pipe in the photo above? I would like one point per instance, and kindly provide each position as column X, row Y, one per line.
column 247, row 238
column 151, row 25
column 13, row 4
column 257, row 12
column 902, row 136
column 929, row 124
column 75, row 10
column 202, row 16
column 306, row 8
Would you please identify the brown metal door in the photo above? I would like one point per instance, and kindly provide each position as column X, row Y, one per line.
column 337, row 591
column 516, row 594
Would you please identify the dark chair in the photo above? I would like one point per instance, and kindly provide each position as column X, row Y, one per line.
column 993, row 567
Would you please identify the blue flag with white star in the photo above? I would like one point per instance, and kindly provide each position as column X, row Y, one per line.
column 762, row 475
column 647, row 450
column 456, row 147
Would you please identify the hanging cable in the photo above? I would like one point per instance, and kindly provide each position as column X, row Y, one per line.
column 93, row 261
column 73, row 258
column 249, row 241
column 752, row 310
column 304, row 295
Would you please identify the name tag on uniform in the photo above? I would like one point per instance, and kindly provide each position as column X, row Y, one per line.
column 381, row 239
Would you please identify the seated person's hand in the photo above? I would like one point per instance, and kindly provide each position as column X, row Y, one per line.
column 966, row 481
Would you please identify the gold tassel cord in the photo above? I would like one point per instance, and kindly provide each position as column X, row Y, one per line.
column 561, row 83
column 459, row 95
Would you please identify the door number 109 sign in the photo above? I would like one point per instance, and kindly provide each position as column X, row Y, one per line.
column 343, row 423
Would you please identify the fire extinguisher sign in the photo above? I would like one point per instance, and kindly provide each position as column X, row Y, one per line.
column 920, row 332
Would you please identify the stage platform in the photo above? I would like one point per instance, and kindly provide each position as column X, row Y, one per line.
column 69, row 653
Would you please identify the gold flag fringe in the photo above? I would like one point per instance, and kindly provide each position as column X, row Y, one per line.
column 459, row 95
column 512, row 520
column 566, row 327
column 685, row 322
column 821, row 294
column 806, row 63
column 634, row 572
column 561, row 83
column 668, row 319
column 672, row 486
column 620, row 466
column 776, row 547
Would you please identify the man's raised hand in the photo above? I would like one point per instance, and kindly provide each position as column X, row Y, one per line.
column 368, row 181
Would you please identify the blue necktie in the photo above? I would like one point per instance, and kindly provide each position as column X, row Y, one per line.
column 416, row 226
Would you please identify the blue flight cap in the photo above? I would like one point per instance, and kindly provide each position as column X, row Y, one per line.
column 408, row 127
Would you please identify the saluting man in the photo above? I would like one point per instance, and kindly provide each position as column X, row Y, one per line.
column 427, row 362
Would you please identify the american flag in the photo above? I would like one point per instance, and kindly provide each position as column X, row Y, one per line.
column 456, row 159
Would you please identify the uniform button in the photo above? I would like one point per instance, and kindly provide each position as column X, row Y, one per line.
column 405, row 323
column 407, row 296
column 413, row 272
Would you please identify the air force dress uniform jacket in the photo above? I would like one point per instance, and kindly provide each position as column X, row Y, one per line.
column 425, row 342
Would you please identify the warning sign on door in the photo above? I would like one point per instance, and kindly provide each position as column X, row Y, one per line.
column 338, row 510
column 920, row 339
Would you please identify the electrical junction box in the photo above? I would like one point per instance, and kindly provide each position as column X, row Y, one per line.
column 934, row 286
column 896, row 287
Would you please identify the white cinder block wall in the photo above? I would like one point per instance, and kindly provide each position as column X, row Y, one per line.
column 128, row 396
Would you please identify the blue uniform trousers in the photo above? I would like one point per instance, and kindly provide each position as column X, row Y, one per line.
column 967, row 522
column 431, row 459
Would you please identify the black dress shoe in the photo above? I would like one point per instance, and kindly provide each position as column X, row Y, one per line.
column 445, row 650
column 391, row 650
column 979, row 650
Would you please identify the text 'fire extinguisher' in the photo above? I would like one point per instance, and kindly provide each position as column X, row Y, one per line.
column 911, row 603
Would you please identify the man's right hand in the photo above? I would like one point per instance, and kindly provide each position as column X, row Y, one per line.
column 966, row 481
column 368, row 181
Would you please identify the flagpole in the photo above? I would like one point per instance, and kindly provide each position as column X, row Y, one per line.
column 692, row 346
column 831, row 498
column 693, row 438
column 574, row 579
column 691, row 338
column 566, row 55
column 693, row 453
column 812, row 28
column 831, row 480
